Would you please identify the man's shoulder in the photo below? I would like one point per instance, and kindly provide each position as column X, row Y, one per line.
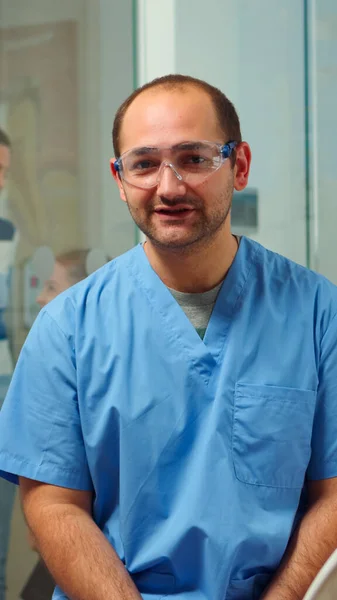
column 282, row 273
column 271, row 260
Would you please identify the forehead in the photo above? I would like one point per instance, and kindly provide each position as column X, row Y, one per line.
column 160, row 117
column 5, row 156
column 59, row 273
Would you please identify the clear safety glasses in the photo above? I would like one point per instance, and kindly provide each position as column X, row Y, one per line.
column 191, row 162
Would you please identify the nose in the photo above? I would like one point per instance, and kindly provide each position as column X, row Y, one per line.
column 170, row 184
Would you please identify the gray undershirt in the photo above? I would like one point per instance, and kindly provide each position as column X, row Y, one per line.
column 198, row 307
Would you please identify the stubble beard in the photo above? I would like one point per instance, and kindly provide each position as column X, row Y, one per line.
column 202, row 232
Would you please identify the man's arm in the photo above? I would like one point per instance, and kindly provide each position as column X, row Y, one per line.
column 76, row 552
column 310, row 546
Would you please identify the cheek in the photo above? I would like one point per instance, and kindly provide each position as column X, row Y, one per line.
column 219, row 186
column 205, row 192
column 50, row 296
column 139, row 199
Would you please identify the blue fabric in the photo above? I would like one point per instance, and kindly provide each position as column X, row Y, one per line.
column 7, row 495
column 198, row 451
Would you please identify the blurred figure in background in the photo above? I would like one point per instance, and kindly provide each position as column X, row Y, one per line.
column 5, row 157
column 69, row 268
column 7, row 250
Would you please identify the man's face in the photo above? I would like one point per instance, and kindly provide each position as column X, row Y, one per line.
column 163, row 118
column 5, row 159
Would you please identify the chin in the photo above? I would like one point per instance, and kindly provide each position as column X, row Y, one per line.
column 172, row 236
column 173, row 242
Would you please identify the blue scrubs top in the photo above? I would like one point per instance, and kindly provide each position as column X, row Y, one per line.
column 198, row 451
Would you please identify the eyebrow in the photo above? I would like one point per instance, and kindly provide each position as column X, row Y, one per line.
column 188, row 145
column 144, row 150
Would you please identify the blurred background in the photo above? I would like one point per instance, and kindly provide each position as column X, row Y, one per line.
column 65, row 67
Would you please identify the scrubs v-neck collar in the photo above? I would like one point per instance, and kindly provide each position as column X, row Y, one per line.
column 175, row 322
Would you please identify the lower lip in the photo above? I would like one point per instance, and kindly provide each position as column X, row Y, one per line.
column 174, row 216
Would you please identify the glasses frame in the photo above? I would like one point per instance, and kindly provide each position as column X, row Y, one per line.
column 225, row 151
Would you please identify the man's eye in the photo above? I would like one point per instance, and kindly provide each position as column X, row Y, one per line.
column 195, row 159
column 143, row 165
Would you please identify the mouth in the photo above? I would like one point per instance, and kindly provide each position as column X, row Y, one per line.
column 174, row 211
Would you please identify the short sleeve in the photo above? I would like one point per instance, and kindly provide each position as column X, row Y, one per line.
column 40, row 426
column 323, row 463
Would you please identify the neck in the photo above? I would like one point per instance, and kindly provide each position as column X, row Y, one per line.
column 197, row 269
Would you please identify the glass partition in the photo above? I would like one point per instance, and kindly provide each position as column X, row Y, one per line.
column 60, row 85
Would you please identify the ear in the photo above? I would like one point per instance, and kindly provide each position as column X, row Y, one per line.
column 242, row 166
column 117, row 179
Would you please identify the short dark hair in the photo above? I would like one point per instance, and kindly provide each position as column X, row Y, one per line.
column 224, row 109
column 4, row 139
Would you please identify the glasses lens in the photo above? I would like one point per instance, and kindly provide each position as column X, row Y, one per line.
column 140, row 167
column 194, row 161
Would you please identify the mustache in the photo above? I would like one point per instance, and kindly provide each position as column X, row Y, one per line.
column 172, row 202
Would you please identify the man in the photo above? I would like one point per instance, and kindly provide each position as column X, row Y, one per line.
column 7, row 243
column 169, row 452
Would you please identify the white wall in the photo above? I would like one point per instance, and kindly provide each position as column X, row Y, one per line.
column 156, row 51
column 325, row 47
column 254, row 52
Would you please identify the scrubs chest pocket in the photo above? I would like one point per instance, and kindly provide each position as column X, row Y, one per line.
column 271, row 439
